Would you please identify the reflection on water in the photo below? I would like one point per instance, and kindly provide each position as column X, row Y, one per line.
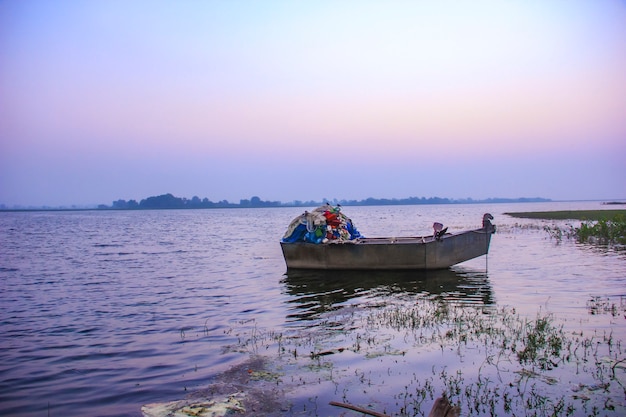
column 315, row 292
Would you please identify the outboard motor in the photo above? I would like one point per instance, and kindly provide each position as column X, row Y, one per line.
column 487, row 225
column 439, row 231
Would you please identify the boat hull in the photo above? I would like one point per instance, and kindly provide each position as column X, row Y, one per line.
column 420, row 253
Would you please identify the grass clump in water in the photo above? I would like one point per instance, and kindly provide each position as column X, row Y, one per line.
column 530, row 367
column 604, row 231
column 598, row 226
column 607, row 232
column 542, row 344
column 399, row 356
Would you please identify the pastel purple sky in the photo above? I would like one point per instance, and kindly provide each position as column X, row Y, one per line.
column 294, row 100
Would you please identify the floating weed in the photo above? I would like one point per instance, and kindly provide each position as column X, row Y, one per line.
column 265, row 376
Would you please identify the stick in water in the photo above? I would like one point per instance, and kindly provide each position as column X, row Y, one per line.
column 358, row 409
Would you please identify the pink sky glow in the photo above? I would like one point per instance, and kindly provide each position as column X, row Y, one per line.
column 307, row 100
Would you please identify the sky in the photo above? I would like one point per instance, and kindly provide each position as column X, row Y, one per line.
column 311, row 100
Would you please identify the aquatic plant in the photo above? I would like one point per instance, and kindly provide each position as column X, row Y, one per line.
column 487, row 360
column 603, row 305
column 558, row 233
column 602, row 231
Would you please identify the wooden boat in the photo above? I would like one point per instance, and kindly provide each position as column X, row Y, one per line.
column 438, row 251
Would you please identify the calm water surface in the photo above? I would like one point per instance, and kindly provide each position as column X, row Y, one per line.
column 104, row 311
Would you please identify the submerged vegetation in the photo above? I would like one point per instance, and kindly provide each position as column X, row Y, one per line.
column 399, row 357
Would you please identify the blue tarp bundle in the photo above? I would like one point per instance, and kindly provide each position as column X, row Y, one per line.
column 322, row 225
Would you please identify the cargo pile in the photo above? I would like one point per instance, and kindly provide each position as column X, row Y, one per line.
column 325, row 224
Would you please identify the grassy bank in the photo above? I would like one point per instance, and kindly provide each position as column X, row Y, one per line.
column 585, row 215
column 598, row 226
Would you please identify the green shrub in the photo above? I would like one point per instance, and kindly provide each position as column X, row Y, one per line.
column 605, row 231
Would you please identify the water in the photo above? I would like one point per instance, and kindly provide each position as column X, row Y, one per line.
column 104, row 311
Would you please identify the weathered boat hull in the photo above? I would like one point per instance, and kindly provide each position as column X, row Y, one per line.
column 420, row 253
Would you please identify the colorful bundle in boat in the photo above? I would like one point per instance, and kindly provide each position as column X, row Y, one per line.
column 325, row 224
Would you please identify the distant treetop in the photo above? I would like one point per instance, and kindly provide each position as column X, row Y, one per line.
column 169, row 201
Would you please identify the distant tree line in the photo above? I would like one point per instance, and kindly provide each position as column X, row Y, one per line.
column 168, row 201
